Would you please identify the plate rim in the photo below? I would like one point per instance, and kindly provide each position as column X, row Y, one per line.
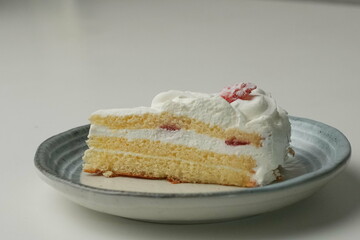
column 337, row 163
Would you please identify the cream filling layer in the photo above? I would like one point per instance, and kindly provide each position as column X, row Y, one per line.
column 266, row 161
column 180, row 137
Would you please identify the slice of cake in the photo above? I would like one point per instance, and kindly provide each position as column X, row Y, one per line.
column 236, row 137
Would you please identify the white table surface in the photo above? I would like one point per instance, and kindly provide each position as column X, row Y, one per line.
column 62, row 60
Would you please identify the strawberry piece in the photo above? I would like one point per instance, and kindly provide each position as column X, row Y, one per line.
column 170, row 127
column 238, row 91
column 236, row 142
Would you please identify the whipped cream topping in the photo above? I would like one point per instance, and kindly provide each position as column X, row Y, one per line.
column 259, row 113
column 213, row 109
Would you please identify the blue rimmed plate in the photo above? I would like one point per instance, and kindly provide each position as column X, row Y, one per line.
column 321, row 153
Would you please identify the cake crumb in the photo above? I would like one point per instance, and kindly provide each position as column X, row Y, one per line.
column 108, row 173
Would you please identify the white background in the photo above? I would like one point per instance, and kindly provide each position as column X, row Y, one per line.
column 62, row 60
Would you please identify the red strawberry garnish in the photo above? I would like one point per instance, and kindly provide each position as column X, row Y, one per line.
column 236, row 142
column 238, row 91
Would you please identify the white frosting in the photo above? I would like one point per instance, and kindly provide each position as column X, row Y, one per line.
column 260, row 114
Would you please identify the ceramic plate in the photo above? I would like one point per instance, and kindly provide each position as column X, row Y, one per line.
column 321, row 153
